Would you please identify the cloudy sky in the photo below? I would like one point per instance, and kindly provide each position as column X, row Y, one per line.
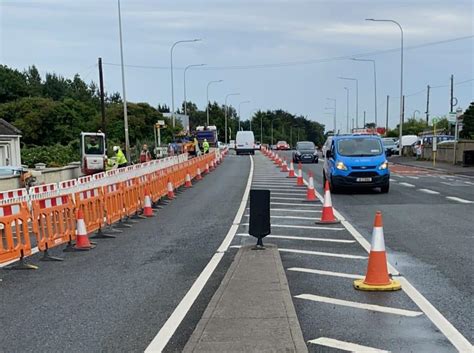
column 277, row 53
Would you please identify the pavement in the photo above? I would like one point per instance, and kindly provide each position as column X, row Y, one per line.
column 252, row 311
column 439, row 166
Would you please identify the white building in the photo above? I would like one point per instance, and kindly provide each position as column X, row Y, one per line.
column 10, row 154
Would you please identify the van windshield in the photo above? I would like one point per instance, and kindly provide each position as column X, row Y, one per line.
column 359, row 147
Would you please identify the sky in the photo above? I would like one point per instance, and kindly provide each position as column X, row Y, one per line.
column 279, row 54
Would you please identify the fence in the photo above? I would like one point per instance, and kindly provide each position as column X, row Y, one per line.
column 47, row 214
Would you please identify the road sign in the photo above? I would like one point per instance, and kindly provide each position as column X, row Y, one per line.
column 452, row 117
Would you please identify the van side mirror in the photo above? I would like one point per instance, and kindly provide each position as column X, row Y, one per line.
column 328, row 154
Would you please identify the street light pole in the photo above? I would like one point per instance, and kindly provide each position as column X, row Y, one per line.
column 347, row 109
column 357, row 97
column 334, row 100
column 207, row 95
column 172, row 81
column 225, row 112
column 184, row 84
column 375, row 86
column 400, row 133
column 244, row 102
column 125, row 114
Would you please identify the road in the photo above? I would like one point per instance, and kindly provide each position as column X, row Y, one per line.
column 119, row 296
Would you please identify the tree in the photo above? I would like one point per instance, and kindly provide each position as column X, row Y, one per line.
column 13, row 84
column 468, row 123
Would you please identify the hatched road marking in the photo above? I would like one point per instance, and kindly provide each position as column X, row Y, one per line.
column 325, row 273
column 300, row 227
column 357, row 305
column 458, row 199
column 290, row 237
column 290, row 217
column 296, row 204
column 317, row 253
column 345, row 346
column 428, row 191
column 407, row 185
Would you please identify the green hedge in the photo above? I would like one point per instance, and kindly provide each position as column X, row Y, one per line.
column 52, row 156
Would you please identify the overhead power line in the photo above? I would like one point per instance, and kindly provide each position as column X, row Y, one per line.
column 301, row 62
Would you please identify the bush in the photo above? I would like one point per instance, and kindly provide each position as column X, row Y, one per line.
column 52, row 156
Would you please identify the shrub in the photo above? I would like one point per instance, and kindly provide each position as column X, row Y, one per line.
column 52, row 156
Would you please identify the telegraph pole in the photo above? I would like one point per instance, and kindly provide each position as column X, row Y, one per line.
column 427, row 105
column 102, row 100
column 364, row 119
column 386, row 115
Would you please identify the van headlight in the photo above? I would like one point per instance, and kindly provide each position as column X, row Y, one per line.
column 341, row 166
column 384, row 165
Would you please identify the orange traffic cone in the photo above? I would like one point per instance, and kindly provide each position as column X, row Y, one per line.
column 207, row 168
column 291, row 173
column 147, row 210
column 377, row 278
column 211, row 166
column 299, row 179
column 198, row 174
column 327, row 216
column 284, row 167
column 170, row 190
column 82, row 239
column 311, row 193
column 187, row 181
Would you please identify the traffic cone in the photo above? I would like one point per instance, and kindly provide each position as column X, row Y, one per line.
column 377, row 277
column 170, row 190
column 206, row 171
column 279, row 162
column 291, row 173
column 82, row 239
column 147, row 210
column 187, row 181
column 211, row 165
column 284, row 167
column 327, row 216
column 311, row 193
column 299, row 179
column 198, row 174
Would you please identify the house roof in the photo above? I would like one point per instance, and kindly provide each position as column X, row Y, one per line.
column 8, row 129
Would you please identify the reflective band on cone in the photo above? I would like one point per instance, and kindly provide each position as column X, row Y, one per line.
column 377, row 277
column 170, row 190
column 311, row 193
column 284, row 167
column 82, row 239
column 198, row 174
column 187, row 182
column 299, row 179
column 207, row 168
column 327, row 215
column 147, row 210
column 291, row 173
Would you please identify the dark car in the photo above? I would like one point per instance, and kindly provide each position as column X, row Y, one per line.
column 305, row 151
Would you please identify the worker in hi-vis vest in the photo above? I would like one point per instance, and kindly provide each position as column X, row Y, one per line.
column 121, row 160
column 205, row 146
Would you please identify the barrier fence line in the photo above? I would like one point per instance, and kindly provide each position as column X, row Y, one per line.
column 104, row 199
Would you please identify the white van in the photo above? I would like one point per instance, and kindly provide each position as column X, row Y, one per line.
column 245, row 142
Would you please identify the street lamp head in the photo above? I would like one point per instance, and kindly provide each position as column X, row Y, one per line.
column 370, row 19
column 197, row 40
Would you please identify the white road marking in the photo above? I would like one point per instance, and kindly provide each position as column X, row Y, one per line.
column 291, row 210
column 318, row 253
column 297, row 204
column 428, row 191
column 287, row 198
column 325, row 273
column 458, row 199
column 399, row 175
column 321, row 253
column 413, row 177
column 290, row 217
column 449, row 331
column 5, row 264
column 469, row 183
column 300, row 227
column 407, row 185
column 357, row 305
column 169, row 328
column 345, row 346
column 393, row 180
column 289, row 193
column 290, row 237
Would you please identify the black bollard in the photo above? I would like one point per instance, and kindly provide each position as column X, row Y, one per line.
column 259, row 222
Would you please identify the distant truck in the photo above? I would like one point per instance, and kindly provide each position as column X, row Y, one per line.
column 209, row 133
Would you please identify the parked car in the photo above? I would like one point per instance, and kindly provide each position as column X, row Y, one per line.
column 305, row 151
column 245, row 142
column 390, row 146
column 282, row 145
column 356, row 161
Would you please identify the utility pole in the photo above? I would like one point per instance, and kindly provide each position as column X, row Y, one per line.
column 427, row 105
column 364, row 119
column 451, row 101
column 102, row 100
column 386, row 116
column 403, row 110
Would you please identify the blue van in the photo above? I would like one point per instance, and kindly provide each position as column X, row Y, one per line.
column 356, row 161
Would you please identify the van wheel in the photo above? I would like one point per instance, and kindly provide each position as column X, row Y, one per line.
column 384, row 189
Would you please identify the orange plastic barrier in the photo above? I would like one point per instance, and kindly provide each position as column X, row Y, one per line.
column 14, row 235
column 53, row 221
column 113, row 200
column 130, row 197
column 91, row 202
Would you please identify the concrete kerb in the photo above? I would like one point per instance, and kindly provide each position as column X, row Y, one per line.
column 260, row 290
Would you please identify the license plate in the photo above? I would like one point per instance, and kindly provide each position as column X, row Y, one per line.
column 364, row 180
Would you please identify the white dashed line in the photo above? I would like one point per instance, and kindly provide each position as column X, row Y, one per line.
column 413, row 177
column 351, row 304
column 407, row 185
column 345, row 346
column 428, row 191
column 458, row 199
column 325, row 273
column 321, row 253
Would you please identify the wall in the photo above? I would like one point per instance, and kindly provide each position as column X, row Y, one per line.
column 445, row 152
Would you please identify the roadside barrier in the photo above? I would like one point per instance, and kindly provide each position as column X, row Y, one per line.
column 67, row 212
column 327, row 215
column 377, row 278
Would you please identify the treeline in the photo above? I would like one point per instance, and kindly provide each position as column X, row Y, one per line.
column 51, row 111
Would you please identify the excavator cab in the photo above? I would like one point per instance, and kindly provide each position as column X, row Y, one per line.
column 93, row 152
